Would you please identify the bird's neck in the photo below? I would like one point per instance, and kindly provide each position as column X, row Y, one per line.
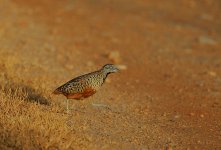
column 104, row 73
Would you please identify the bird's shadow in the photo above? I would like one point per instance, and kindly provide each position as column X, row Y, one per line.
column 19, row 90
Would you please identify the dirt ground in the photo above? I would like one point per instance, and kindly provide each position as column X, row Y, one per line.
column 167, row 96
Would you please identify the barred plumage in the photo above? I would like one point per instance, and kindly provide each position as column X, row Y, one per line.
column 85, row 85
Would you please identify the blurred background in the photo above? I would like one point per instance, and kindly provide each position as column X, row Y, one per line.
column 167, row 95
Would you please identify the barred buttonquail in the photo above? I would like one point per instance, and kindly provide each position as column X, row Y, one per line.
column 86, row 85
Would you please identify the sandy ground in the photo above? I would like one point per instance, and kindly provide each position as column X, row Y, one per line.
column 167, row 97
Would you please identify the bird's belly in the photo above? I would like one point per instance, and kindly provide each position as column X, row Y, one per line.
column 76, row 96
column 81, row 95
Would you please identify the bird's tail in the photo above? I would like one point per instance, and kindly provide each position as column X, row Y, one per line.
column 56, row 92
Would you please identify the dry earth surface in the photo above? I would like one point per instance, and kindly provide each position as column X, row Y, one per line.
column 168, row 95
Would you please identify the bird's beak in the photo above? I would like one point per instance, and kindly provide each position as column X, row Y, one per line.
column 116, row 70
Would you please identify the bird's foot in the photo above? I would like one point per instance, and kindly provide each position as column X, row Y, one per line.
column 100, row 105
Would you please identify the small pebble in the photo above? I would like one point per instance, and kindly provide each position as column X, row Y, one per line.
column 164, row 114
column 212, row 73
column 137, row 81
column 206, row 17
column 177, row 116
column 114, row 56
column 90, row 63
column 202, row 116
column 192, row 114
column 206, row 40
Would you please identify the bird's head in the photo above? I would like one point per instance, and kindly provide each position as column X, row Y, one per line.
column 110, row 68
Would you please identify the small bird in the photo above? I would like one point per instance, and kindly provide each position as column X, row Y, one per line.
column 86, row 85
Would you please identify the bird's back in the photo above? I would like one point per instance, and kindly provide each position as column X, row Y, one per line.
column 91, row 81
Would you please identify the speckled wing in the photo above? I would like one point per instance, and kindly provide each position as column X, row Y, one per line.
column 75, row 85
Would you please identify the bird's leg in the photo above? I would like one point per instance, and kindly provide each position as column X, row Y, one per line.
column 99, row 105
column 67, row 108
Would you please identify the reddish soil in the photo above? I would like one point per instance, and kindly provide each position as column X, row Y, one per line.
column 169, row 95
